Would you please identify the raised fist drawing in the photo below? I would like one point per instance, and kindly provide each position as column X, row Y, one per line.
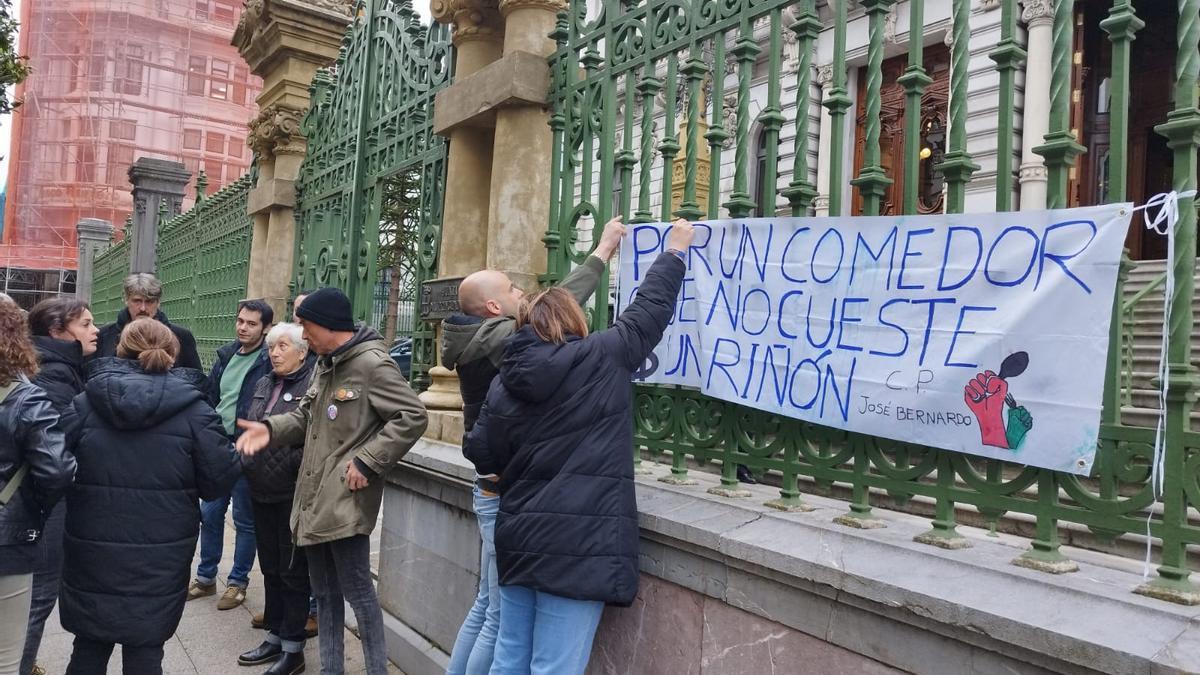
column 985, row 395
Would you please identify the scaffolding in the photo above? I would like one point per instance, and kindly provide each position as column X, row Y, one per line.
column 110, row 81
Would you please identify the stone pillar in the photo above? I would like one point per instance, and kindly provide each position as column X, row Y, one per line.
column 158, row 184
column 1039, row 16
column 95, row 236
column 284, row 42
column 463, row 118
column 520, row 190
column 821, row 203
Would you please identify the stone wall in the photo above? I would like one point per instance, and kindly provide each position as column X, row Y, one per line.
column 730, row 586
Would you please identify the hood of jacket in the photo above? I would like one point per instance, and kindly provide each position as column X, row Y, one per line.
column 52, row 350
column 352, row 348
column 468, row 338
column 130, row 398
column 534, row 370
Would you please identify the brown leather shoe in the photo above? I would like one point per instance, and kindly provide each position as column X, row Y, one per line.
column 234, row 596
column 256, row 621
column 310, row 626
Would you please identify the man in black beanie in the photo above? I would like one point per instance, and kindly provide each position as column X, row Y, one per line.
column 357, row 420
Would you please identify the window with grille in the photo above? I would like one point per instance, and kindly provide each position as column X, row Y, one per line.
column 197, row 74
column 219, row 86
column 135, row 69
column 215, row 143
column 191, row 139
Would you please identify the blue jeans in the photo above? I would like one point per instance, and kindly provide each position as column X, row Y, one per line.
column 212, row 536
column 472, row 654
column 544, row 634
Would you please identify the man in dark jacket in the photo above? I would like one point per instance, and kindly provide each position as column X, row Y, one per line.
column 473, row 345
column 239, row 366
column 355, row 422
column 143, row 293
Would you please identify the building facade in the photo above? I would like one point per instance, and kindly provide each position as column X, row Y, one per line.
column 112, row 80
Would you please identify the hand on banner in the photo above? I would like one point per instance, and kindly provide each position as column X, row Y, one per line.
column 610, row 239
column 985, row 397
column 681, row 235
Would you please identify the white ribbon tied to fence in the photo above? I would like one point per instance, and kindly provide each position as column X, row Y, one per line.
column 1162, row 222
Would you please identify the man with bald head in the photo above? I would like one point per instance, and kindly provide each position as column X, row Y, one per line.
column 473, row 345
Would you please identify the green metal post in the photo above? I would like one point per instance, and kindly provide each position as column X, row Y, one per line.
column 800, row 192
column 1060, row 148
column 1182, row 129
column 1008, row 55
column 837, row 101
column 958, row 167
column 552, row 239
column 648, row 87
column 872, row 182
column 669, row 147
column 771, row 117
column 717, row 134
column 741, row 202
column 1122, row 26
column 914, row 80
column 694, row 70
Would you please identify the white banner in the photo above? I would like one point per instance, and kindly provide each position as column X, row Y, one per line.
column 978, row 333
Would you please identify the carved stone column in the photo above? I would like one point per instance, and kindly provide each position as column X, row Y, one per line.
column 95, row 236
column 284, row 42
column 824, row 145
column 1039, row 17
column 158, row 187
column 478, row 43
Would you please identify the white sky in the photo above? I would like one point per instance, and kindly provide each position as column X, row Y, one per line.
column 422, row 7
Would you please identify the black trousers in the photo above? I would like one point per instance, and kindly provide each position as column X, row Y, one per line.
column 91, row 658
column 284, row 569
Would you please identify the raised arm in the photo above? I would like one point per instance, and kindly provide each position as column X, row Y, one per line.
column 582, row 281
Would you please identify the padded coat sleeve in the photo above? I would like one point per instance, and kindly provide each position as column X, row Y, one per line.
column 215, row 461
column 639, row 329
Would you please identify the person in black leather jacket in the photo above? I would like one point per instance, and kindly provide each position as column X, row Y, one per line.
column 64, row 333
column 272, row 478
column 30, row 435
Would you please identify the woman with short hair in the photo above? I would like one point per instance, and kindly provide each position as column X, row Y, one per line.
column 557, row 427
column 64, row 333
column 149, row 447
column 35, row 472
column 272, row 477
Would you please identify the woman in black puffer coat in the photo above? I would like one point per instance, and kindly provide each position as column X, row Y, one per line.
column 64, row 333
column 272, row 477
column 558, row 429
column 149, row 447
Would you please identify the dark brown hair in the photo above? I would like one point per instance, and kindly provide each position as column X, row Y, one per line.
column 55, row 314
column 554, row 315
column 17, row 356
column 151, row 343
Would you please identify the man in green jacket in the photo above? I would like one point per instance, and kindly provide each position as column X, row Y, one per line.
column 358, row 418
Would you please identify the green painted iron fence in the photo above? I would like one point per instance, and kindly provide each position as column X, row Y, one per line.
column 203, row 262
column 658, row 104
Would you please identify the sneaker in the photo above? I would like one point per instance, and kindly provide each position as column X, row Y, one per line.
column 310, row 626
column 234, row 596
column 199, row 590
column 257, row 621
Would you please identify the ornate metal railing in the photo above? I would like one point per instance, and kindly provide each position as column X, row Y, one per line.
column 371, row 119
column 204, row 264
column 633, row 93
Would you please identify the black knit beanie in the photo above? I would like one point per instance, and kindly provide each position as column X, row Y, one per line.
column 328, row 307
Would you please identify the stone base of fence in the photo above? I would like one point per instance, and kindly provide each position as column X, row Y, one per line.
column 730, row 585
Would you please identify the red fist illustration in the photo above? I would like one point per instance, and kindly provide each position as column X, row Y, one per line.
column 985, row 397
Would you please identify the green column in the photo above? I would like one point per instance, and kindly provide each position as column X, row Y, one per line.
column 1008, row 55
column 837, row 101
column 958, row 167
column 694, row 71
column 1182, row 130
column 914, row 80
column 800, row 192
column 741, row 202
column 871, row 181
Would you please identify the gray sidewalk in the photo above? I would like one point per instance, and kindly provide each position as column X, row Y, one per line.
column 208, row 641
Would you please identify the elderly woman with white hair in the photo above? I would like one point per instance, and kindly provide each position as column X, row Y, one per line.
column 272, row 478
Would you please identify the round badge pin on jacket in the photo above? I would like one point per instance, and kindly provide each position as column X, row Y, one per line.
column 332, row 411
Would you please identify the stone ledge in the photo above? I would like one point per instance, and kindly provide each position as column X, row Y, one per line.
column 878, row 593
column 271, row 194
column 519, row 78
